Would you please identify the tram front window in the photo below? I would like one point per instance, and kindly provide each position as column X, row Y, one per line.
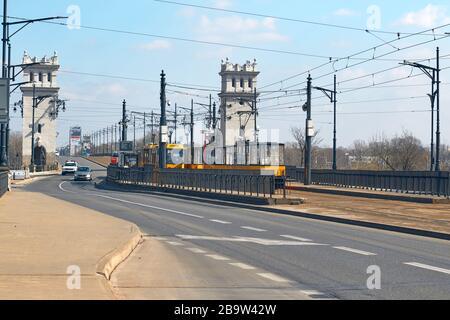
column 175, row 156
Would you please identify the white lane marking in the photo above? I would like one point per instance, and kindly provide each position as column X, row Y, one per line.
column 220, row 221
column 264, row 242
column 149, row 206
column 217, row 257
column 174, row 243
column 428, row 267
column 295, row 238
column 160, row 238
column 253, row 229
column 364, row 253
column 273, row 277
column 242, row 266
column 196, row 250
column 60, row 186
column 311, row 292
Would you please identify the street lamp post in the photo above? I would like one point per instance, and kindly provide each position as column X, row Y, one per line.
column 433, row 74
column 331, row 94
column 6, row 45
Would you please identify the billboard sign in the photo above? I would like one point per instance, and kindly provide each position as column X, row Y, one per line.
column 126, row 146
column 4, row 100
column 75, row 133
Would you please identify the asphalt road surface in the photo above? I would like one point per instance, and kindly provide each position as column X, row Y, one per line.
column 313, row 258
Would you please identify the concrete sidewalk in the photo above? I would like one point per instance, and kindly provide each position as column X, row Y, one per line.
column 421, row 216
column 41, row 237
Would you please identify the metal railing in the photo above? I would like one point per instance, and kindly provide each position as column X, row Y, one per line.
column 3, row 181
column 235, row 183
column 413, row 182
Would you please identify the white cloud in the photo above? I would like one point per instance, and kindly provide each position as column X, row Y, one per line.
column 428, row 17
column 344, row 12
column 156, row 45
column 235, row 28
column 223, row 4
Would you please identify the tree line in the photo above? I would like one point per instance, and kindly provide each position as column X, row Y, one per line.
column 402, row 152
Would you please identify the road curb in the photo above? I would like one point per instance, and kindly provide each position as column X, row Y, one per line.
column 45, row 174
column 113, row 259
column 387, row 196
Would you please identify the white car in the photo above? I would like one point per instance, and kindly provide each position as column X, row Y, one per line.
column 70, row 167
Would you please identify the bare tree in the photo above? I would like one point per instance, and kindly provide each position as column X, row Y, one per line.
column 403, row 152
column 15, row 150
column 298, row 133
column 407, row 152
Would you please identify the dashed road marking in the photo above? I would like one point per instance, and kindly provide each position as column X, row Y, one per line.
column 263, row 242
column 253, row 229
column 217, row 257
column 242, row 266
column 364, row 253
column 174, row 243
column 160, row 238
column 295, row 238
column 273, row 277
column 311, row 292
column 428, row 267
column 196, row 250
column 149, row 206
column 220, row 221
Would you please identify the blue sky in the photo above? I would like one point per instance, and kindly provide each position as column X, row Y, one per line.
column 143, row 57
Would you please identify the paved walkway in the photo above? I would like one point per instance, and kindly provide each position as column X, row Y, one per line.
column 42, row 237
column 432, row 217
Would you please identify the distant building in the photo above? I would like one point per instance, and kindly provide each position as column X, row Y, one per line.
column 238, row 92
column 41, row 75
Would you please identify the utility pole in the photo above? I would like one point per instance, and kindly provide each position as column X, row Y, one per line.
column 255, row 113
column 152, row 121
column 134, row 133
column 308, row 134
column 210, row 112
column 332, row 95
column 438, row 120
column 192, row 132
column 32, row 127
column 3, row 126
column 107, row 140
column 176, row 120
column 214, row 117
column 433, row 74
column 115, row 137
column 124, row 121
column 112, row 138
column 145, row 124
column 163, row 125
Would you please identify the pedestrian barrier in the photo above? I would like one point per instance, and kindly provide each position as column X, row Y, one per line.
column 3, row 181
column 413, row 182
column 236, row 183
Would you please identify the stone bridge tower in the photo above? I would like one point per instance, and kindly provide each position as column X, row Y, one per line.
column 237, row 95
column 41, row 75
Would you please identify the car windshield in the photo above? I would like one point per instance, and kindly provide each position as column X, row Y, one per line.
column 84, row 169
column 70, row 164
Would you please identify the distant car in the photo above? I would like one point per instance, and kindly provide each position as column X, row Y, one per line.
column 70, row 167
column 83, row 174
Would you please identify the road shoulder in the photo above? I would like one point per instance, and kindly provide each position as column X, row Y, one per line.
column 52, row 249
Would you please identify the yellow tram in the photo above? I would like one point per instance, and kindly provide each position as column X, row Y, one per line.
column 246, row 157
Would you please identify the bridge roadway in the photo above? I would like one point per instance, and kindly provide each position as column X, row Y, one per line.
column 243, row 253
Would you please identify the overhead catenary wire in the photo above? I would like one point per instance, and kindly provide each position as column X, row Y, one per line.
column 374, row 58
column 286, row 19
